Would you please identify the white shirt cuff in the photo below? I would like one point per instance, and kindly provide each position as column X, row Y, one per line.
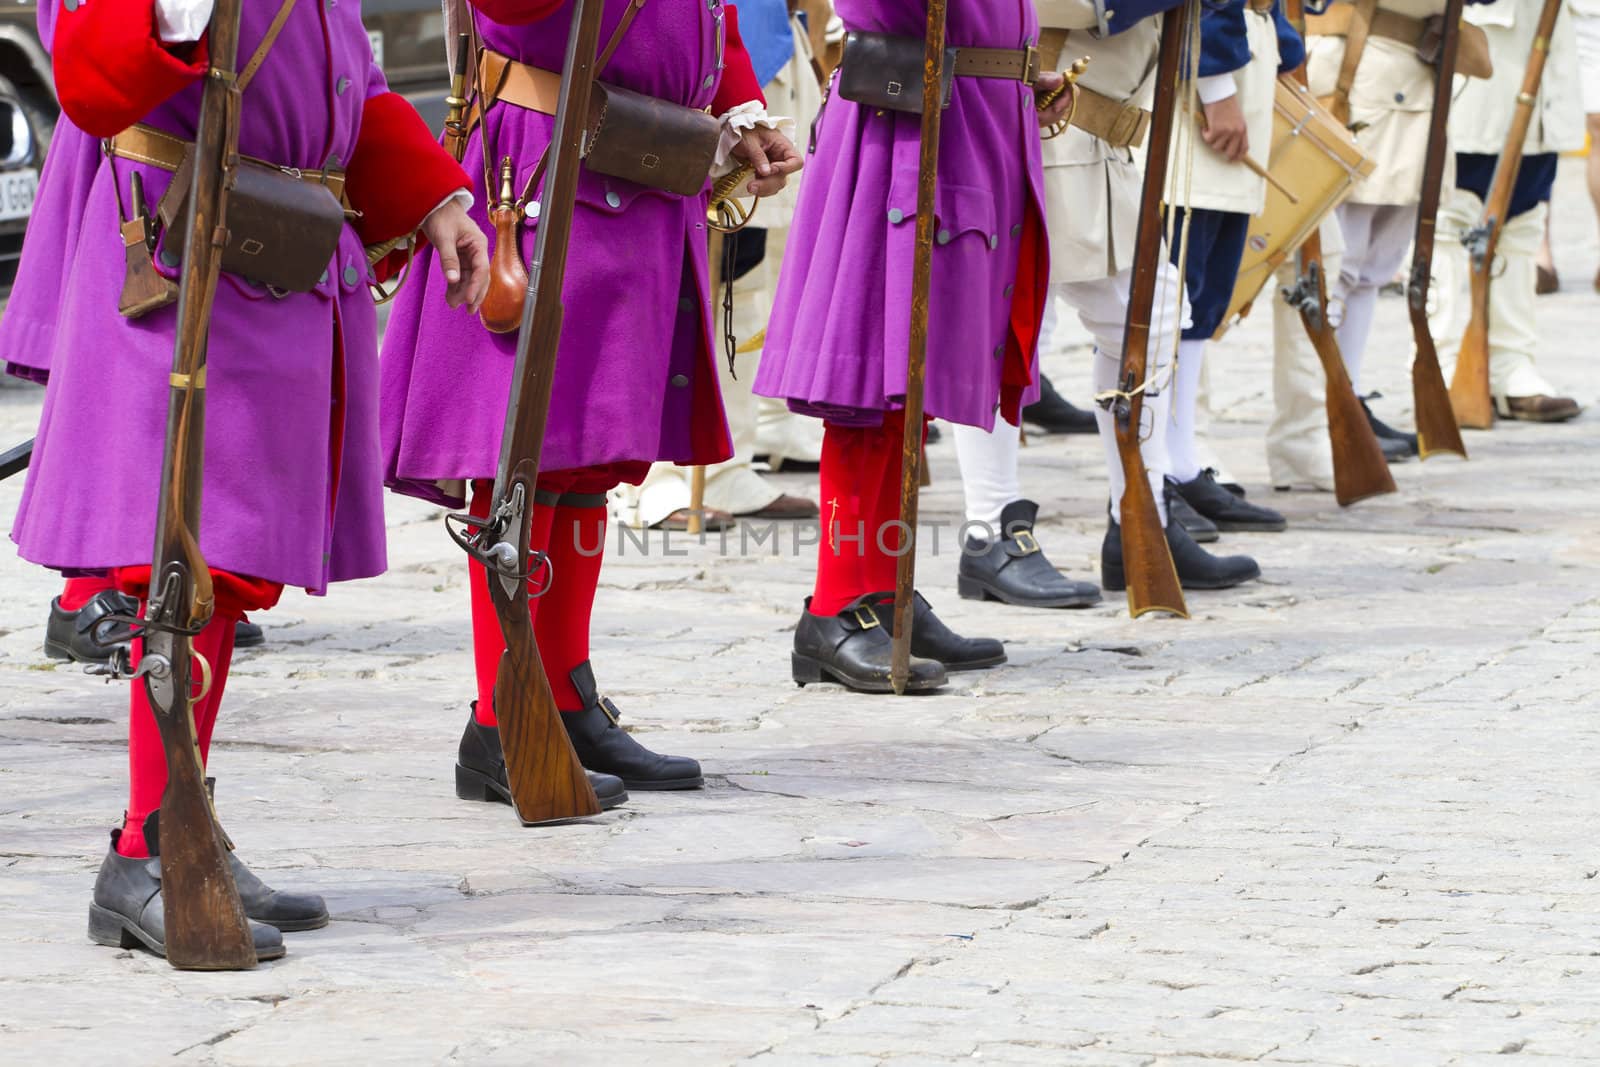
column 747, row 116
column 1216, row 87
column 460, row 196
column 182, row 21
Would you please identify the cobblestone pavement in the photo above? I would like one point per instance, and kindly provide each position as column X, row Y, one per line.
column 1343, row 816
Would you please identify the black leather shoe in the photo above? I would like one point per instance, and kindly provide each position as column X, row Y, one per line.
column 1013, row 569
column 71, row 634
column 932, row 639
column 602, row 743
column 1386, row 433
column 852, row 649
column 481, row 769
column 1225, row 510
column 289, row 912
column 1053, row 414
column 1197, row 568
column 1202, row 529
column 127, row 910
column 247, row 634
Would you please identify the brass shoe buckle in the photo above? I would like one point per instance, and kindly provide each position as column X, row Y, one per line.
column 866, row 619
column 1026, row 540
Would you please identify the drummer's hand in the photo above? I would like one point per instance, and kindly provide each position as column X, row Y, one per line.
column 463, row 254
column 1225, row 129
column 772, row 155
column 1047, row 83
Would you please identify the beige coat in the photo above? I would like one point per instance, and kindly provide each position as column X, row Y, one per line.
column 1213, row 182
column 1391, row 104
column 1092, row 190
column 1482, row 111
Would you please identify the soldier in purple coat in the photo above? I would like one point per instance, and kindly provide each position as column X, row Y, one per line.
column 634, row 380
column 836, row 346
column 293, row 490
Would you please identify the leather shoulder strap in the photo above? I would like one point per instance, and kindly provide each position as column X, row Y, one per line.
column 1052, row 44
column 247, row 75
column 1355, row 43
column 617, row 35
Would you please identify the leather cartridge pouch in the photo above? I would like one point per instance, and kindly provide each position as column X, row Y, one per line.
column 885, row 71
column 283, row 229
column 652, row 142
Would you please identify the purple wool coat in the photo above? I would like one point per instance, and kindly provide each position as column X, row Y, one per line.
column 293, row 489
column 837, row 342
column 634, row 374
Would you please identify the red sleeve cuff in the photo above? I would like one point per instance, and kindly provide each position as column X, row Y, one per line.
column 739, row 85
column 111, row 69
column 398, row 173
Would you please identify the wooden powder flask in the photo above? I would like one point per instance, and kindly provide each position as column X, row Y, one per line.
column 1469, row 387
column 1359, row 469
column 1437, row 429
column 1152, row 577
column 144, row 289
column 508, row 277
column 917, row 357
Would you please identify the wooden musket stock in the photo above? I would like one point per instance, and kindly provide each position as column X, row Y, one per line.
column 1437, row 430
column 1359, row 469
column 917, row 358
column 1469, row 387
column 547, row 782
column 1146, row 557
column 206, row 928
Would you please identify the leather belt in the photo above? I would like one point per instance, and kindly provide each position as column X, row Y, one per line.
column 1335, row 22
column 532, row 88
column 1117, row 123
column 146, row 144
column 1006, row 64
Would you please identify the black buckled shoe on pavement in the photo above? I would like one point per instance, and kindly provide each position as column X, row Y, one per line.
column 71, row 635
column 1226, row 511
column 1053, row 414
column 127, row 911
column 852, row 649
column 1197, row 568
column 247, row 634
column 1013, row 569
column 1202, row 529
column 481, row 769
column 603, row 745
column 289, row 912
column 1385, row 432
column 932, row 639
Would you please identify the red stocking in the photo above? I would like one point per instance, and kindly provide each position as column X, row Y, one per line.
column 79, row 591
column 860, row 502
column 562, row 616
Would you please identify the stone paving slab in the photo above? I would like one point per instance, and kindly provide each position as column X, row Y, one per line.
column 1343, row 816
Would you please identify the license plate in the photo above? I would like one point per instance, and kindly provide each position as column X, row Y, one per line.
column 17, row 189
column 376, row 37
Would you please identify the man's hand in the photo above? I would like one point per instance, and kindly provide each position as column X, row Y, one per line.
column 1225, row 129
column 772, row 155
column 1048, row 82
column 463, row 254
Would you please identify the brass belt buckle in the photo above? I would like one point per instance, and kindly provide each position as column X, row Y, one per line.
column 1032, row 65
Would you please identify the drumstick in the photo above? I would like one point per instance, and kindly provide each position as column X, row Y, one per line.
column 1261, row 172
column 1257, row 169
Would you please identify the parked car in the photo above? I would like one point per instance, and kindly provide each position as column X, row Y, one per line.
column 407, row 40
